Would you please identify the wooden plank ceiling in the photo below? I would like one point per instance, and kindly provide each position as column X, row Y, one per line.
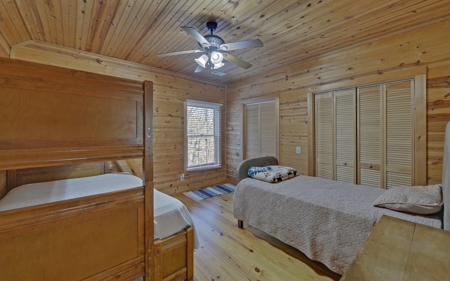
column 137, row 30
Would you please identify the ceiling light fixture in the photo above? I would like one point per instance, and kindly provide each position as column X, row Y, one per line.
column 213, row 60
column 202, row 60
column 215, row 49
column 216, row 57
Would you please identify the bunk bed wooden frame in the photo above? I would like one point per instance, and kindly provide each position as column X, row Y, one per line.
column 64, row 119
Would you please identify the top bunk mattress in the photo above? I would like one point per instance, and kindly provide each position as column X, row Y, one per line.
column 326, row 220
column 48, row 192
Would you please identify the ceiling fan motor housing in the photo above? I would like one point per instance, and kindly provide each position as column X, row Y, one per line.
column 214, row 40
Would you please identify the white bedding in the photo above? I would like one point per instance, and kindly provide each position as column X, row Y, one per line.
column 170, row 215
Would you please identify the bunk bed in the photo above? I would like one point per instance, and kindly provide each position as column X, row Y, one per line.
column 61, row 128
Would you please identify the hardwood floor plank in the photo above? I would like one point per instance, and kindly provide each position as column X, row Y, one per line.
column 230, row 253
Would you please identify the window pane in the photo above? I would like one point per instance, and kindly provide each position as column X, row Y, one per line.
column 201, row 150
column 202, row 136
column 200, row 121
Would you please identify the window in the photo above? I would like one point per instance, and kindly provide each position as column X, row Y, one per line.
column 202, row 142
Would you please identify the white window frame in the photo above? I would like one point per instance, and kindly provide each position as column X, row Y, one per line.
column 217, row 135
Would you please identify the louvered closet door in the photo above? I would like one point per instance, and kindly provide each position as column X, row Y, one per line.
column 324, row 135
column 268, row 127
column 370, row 136
column 252, row 137
column 399, row 146
column 345, row 115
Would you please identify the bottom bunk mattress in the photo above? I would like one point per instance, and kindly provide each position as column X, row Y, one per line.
column 327, row 220
column 170, row 215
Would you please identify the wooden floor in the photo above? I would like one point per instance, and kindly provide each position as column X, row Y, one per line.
column 230, row 253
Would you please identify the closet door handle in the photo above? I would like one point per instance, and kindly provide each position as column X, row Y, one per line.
column 370, row 166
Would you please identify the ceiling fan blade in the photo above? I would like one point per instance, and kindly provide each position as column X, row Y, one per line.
column 199, row 69
column 256, row 43
column 179, row 53
column 194, row 33
column 238, row 61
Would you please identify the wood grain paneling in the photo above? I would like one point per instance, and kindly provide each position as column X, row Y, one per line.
column 292, row 31
column 38, row 122
column 54, row 116
column 3, row 189
column 45, row 174
column 397, row 57
column 124, row 225
column 4, row 46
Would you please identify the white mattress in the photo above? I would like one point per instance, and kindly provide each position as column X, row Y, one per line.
column 170, row 215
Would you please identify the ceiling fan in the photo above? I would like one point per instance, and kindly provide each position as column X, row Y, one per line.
column 215, row 49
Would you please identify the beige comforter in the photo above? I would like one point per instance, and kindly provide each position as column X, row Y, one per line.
column 326, row 220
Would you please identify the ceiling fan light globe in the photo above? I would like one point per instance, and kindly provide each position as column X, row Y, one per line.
column 216, row 57
column 202, row 60
column 218, row 65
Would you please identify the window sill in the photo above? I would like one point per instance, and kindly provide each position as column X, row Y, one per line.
column 203, row 168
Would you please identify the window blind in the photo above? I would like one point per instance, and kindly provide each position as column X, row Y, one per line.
column 202, row 139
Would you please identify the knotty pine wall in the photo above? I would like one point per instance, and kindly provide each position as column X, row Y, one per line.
column 422, row 50
column 170, row 92
column 2, row 183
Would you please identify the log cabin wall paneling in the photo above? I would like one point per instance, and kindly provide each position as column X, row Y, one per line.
column 170, row 92
column 424, row 50
column 3, row 188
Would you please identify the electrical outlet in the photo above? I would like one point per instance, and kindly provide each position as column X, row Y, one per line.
column 298, row 150
column 182, row 177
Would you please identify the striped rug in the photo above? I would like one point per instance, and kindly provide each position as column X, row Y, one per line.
column 209, row 192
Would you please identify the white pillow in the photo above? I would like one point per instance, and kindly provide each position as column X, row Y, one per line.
column 421, row 200
column 272, row 173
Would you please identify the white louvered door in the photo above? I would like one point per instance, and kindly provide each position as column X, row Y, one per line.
column 252, row 137
column 385, row 136
column 365, row 135
column 345, row 139
column 399, row 147
column 261, row 129
column 268, row 128
column 324, row 135
column 370, row 131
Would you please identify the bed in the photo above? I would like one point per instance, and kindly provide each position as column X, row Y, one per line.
column 326, row 220
column 173, row 225
column 54, row 121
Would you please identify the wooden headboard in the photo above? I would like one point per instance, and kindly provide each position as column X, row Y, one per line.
column 52, row 116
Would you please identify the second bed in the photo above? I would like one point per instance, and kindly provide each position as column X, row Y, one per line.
column 326, row 220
